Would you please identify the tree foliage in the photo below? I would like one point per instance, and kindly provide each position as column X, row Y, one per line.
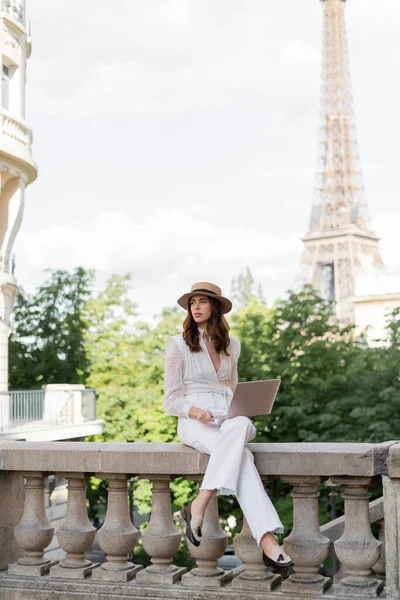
column 127, row 372
column 334, row 386
column 127, row 365
column 47, row 331
column 330, row 382
column 245, row 290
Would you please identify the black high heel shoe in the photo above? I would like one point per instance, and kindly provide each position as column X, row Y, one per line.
column 279, row 563
column 186, row 513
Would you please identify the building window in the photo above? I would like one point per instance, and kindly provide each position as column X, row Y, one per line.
column 15, row 9
column 328, row 282
column 5, row 87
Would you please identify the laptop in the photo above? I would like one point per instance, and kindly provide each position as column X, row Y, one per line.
column 252, row 398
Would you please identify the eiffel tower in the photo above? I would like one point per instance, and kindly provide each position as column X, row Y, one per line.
column 339, row 243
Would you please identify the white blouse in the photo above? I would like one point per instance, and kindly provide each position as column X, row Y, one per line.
column 193, row 372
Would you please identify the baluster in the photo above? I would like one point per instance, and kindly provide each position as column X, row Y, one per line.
column 357, row 549
column 307, row 547
column 161, row 539
column 255, row 574
column 213, row 545
column 75, row 534
column 118, row 536
column 379, row 568
column 391, row 495
column 34, row 532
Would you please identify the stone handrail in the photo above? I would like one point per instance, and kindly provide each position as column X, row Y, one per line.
column 303, row 466
column 139, row 458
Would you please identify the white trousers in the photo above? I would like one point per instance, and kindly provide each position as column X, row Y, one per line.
column 231, row 468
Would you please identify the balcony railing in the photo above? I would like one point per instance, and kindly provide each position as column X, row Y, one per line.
column 55, row 406
column 16, row 140
column 352, row 467
column 15, row 9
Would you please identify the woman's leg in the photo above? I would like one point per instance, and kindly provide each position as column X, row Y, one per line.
column 231, row 470
column 256, row 505
column 224, row 467
column 225, row 445
column 202, row 437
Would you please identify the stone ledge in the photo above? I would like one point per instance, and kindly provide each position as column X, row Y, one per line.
column 393, row 461
column 141, row 458
column 25, row 589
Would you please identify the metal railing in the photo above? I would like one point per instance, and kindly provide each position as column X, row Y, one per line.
column 27, row 409
column 26, row 405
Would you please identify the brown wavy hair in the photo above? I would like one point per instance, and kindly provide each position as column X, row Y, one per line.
column 217, row 328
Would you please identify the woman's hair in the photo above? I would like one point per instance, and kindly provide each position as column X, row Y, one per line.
column 217, row 328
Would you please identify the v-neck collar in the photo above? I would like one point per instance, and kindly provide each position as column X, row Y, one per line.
column 201, row 333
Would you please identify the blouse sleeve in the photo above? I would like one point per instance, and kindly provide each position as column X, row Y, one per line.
column 235, row 356
column 174, row 390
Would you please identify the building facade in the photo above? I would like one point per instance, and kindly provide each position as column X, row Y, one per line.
column 57, row 412
column 17, row 167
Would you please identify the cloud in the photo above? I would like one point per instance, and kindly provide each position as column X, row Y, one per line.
column 165, row 253
column 163, row 56
column 143, row 105
column 303, row 174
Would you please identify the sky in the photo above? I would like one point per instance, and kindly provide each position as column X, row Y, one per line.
column 177, row 140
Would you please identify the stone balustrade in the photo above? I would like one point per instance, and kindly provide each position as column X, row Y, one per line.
column 25, row 531
column 16, row 139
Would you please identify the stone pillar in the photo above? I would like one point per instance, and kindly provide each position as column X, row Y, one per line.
column 118, row 536
column 12, row 199
column 380, row 567
column 255, row 576
column 391, row 494
column 357, row 549
column 12, row 508
column 161, row 539
column 213, row 545
column 8, row 286
column 63, row 403
column 306, row 546
column 75, row 535
column 34, row 532
column 4, row 372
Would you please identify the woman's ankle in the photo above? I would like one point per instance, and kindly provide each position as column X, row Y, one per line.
column 198, row 508
column 200, row 503
column 268, row 542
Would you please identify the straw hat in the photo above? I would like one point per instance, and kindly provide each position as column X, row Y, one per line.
column 205, row 289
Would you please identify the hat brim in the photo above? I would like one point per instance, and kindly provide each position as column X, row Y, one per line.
column 226, row 304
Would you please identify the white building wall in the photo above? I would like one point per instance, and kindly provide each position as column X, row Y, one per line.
column 17, row 167
column 377, row 295
column 371, row 313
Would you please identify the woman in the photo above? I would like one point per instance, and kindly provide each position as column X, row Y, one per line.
column 200, row 378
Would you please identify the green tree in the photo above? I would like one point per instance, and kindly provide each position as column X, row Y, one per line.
column 300, row 342
column 373, row 389
column 47, row 330
column 244, row 289
column 127, row 371
column 127, row 365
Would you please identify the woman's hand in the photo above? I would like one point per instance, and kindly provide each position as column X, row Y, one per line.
column 204, row 416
